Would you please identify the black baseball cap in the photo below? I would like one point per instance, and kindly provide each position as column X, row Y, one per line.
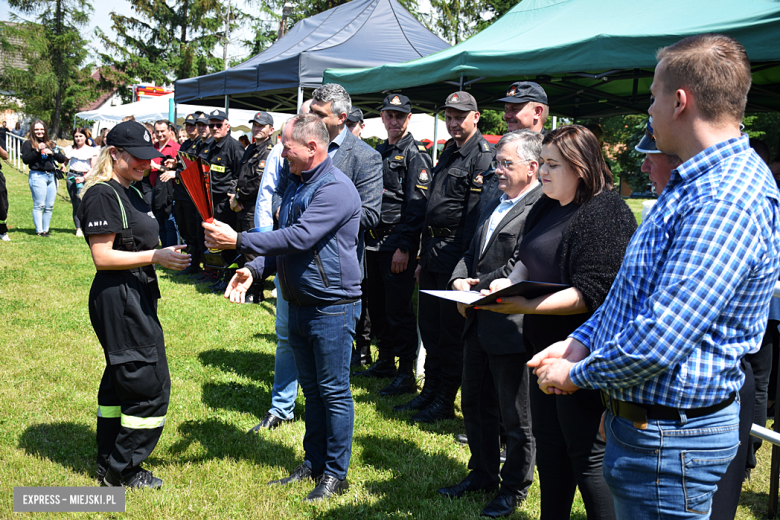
column 355, row 115
column 190, row 119
column 134, row 138
column 202, row 119
column 524, row 91
column 398, row 103
column 217, row 114
column 647, row 144
column 461, row 101
column 263, row 118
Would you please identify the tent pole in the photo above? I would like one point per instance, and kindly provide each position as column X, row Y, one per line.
column 300, row 98
column 227, row 104
column 435, row 136
column 555, row 122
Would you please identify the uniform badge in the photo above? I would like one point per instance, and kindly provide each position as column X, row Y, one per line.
column 147, row 138
column 206, row 151
column 423, row 176
column 454, row 98
column 215, row 113
column 270, row 146
column 478, row 180
column 262, row 164
column 421, row 147
column 399, row 157
column 485, row 146
column 395, row 101
column 512, row 91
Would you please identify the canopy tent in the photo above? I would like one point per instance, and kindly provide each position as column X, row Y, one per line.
column 360, row 33
column 153, row 109
column 595, row 58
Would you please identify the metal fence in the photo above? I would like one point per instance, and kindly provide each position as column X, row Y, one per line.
column 13, row 145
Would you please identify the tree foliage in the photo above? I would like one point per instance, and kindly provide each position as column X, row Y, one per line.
column 457, row 20
column 56, row 81
column 166, row 40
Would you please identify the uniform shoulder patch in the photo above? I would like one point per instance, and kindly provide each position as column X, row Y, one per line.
column 478, row 180
column 422, row 148
column 399, row 157
column 485, row 146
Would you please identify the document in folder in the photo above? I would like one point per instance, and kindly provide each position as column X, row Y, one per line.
column 527, row 289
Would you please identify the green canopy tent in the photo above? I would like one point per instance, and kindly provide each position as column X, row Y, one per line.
column 595, row 58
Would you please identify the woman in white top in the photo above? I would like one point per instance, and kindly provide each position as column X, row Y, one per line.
column 81, row 159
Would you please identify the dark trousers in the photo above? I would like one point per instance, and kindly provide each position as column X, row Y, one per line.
column 188, row 222
column 3, row 205
column 726, row 498
column 75, row 200
column 495, row 388
column 762, row 363
column 363, row 330
column 135, row 389
column 441, row 327
column 390, row 305
column 569, row 453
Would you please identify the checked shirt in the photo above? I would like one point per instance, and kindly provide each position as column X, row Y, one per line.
column 692, row 295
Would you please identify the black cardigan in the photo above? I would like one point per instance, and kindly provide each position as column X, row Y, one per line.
column 592, row 250
column 32, row 158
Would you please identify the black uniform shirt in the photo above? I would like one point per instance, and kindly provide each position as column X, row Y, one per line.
column 100, row 214
column 191, row 147
column 453, row 203
column 252, row 168
column 225, row 159
column 408, row 172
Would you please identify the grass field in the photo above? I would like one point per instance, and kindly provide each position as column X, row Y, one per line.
column 221, row 362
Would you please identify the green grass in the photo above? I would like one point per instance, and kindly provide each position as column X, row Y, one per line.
column 221, row 362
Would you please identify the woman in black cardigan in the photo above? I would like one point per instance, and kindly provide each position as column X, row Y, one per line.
column 39, row 153
column 576, row 234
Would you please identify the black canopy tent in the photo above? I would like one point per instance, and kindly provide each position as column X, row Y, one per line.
column 360, row 33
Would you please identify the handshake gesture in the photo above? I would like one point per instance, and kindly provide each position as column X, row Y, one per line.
column 552, row 366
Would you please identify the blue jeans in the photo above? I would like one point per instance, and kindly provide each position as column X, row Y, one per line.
column 321, row 338
column 43, row 186
column 671, row 469
column 285, row 388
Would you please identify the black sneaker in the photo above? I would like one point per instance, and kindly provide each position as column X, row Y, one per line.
column 140, row 479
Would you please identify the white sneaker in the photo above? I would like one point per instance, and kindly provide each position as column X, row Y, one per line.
column 79, row 232
column 5, row 237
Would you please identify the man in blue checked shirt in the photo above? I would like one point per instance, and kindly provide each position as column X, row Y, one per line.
column 690, row 299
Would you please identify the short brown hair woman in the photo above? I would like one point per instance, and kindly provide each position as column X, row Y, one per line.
column 576, row 234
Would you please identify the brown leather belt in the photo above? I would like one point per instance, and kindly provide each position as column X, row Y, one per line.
column 640, row 413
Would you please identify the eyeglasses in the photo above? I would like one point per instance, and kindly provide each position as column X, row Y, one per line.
column 216, row 125
column 504, row 164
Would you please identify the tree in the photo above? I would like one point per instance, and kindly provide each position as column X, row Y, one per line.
column 166, row 40
column 55, row 52
column 457, row 20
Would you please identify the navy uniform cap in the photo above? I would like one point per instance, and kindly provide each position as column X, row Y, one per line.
column 355, row 115
column 217, row 114
column 524, row 91
column 647, row 144
column 134, row 138
column 263, row 118
column 398, row 103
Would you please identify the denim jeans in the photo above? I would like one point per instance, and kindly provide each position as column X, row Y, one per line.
column 43, row 186
column 321, row 339
column 285, row 388
column 672, row 468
